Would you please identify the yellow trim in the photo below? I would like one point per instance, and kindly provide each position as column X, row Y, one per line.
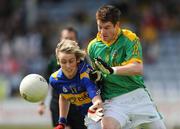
column 54, row 75
column 77, row 99
column 111, row 42
column 129, row 34
column 131, row 61
column 82, row 75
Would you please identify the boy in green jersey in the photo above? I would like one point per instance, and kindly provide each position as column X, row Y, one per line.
column 117, row 54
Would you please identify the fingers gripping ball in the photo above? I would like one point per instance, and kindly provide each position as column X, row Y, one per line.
column 33, row 88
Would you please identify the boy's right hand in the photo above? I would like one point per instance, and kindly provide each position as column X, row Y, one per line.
column 103, row 66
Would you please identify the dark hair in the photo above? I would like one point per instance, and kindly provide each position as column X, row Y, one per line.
column 71, row 29
column 108, row 13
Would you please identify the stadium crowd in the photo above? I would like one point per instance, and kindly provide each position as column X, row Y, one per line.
column 29, row 36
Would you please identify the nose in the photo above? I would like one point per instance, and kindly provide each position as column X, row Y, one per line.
column 68, row 65
column 103, row 32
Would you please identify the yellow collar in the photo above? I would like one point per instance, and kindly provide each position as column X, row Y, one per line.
column 111, row 42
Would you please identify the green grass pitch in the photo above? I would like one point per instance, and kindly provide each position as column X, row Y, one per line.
column 25, row 127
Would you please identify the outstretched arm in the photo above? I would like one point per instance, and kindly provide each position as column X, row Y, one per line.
column 97, row 103
column 63, row 106
column 63, row 112
column 95, row 112
column 134, row 68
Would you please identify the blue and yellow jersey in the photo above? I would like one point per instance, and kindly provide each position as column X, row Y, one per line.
column 78, row 90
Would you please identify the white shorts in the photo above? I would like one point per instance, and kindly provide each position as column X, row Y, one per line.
column 91, row 124
column 132, row 109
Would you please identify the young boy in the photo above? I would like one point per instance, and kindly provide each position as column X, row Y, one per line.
column 73, row 85
column 117, row 53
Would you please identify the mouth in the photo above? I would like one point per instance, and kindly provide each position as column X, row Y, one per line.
column 105, row 37
column 69, row 70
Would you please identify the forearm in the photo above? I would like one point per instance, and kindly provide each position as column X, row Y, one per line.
column 129, row 69
column 97, row 100
column 63, row 107
column 95, row 111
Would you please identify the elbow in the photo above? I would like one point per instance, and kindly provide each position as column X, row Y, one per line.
column 138, row 69
column 140, row 72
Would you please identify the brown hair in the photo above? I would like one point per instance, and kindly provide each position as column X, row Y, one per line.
column 108, row 13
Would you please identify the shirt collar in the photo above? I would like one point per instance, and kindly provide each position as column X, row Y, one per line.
column 111, row 42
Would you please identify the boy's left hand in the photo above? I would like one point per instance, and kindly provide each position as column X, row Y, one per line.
column 95, row 115
column 95, row 112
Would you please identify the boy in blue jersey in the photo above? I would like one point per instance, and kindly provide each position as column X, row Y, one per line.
column 72, row 121
column 73, row 85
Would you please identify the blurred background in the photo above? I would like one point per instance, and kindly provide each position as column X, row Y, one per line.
column 29, row 32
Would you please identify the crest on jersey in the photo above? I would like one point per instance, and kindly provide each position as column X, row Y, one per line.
column 64, row 89
column 115, row 54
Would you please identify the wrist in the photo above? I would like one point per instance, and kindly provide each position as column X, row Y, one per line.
column 62, row 120
column 98, row 102
column 115, row 70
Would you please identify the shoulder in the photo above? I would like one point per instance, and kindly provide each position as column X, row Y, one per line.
column 91, row 43
column 130, row 35
column 54, row 76
column 84, row 69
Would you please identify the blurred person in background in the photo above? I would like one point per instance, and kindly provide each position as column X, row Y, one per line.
column 73, row 85
column 73, row 121
column 117, row 54
column 149, row 33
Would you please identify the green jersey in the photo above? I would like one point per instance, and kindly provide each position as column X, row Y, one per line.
column 126, row 48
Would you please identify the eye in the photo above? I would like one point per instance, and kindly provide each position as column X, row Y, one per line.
column 63, row 62
column 107, row 27
column 99, row 27
column 72, row 61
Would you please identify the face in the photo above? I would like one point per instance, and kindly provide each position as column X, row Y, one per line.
column 69, row 64
column 65, row 34
column 107, row 30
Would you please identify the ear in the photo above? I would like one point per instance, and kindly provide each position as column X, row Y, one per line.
column 117, row 25
column 78, row 60
column 57, row 61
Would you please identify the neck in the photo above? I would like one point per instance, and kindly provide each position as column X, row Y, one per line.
column 72, row 75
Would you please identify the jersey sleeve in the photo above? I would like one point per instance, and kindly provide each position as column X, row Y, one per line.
column 52, row 81
column 54, row 85
column 89, row 85
column 90, row 48
column 133, row 47
column 133, row 51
